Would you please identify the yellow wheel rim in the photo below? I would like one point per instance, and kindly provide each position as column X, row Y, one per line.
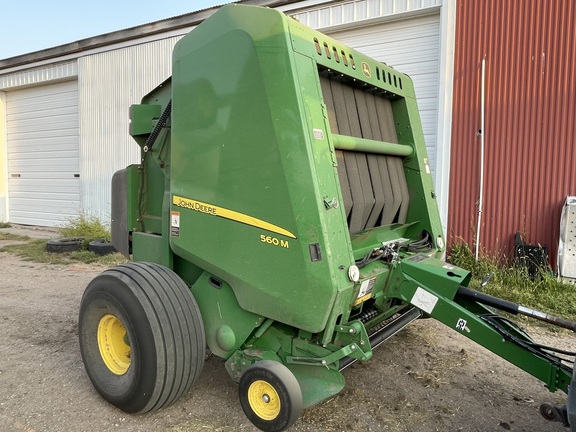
column 264, row 400
column 114, row 344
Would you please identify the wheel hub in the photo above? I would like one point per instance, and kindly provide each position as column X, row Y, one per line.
column 264, row 400
column 114, row 344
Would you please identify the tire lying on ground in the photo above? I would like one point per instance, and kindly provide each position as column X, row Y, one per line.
column 101, row 247
column 64, row 244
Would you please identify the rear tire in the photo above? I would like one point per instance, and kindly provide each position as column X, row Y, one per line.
column 141, row 336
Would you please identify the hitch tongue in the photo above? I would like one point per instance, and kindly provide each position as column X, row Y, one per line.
column 513, row 308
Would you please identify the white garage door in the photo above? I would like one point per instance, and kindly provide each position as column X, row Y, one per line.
column 43, row 155
column 413, row 47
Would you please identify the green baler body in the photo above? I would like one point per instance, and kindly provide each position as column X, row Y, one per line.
column 288, row 158
column 253, row 174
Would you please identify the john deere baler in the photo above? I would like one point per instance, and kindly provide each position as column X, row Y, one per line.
column 284, row 216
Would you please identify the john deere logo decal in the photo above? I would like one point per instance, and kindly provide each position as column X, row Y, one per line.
column 366, row 70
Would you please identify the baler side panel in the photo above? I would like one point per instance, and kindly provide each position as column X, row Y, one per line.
column 241, row 148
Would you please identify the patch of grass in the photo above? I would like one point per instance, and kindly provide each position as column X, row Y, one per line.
column 89, row 227
column 545, row 293
column 35, row 250
column 10, row 236
column 4, row 225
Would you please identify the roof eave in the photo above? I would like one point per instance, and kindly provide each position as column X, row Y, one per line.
column 141, row 31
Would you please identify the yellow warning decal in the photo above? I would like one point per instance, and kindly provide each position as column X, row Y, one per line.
column 213, row 210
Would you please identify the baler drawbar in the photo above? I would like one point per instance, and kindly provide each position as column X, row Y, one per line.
column 283, row 216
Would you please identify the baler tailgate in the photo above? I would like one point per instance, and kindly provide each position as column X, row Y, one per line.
column 373, row 186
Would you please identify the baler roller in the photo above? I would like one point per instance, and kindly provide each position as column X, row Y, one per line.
column 343, row 142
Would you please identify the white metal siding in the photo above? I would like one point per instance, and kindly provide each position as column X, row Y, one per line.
column 42, row 149
column 338, row 13
column 109, row 83
column 42, row 75
column 413, row 47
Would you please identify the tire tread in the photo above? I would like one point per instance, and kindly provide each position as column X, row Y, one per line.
column 176, row 325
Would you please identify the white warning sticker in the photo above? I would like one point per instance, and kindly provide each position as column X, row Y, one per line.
column 422, row 299
column 365, row 292
column 175, row 224
column 366, row 287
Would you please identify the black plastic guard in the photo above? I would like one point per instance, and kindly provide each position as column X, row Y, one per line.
column 119, row 223
column 571, row 404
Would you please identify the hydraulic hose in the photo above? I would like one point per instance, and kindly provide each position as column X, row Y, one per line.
column 513, row 308
column 159, row 125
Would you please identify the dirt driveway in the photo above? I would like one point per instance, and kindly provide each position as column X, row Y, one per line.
column 424, row 379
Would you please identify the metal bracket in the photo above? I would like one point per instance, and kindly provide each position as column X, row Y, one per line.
column 351, row 341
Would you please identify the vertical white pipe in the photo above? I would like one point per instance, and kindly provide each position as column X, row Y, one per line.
column 481, row 197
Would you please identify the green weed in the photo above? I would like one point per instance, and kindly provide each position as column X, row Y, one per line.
column 4, row 225
column 544, row 292
column 10, row 236
column 89, row 227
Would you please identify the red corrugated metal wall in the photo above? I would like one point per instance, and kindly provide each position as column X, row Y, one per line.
column 530, row 116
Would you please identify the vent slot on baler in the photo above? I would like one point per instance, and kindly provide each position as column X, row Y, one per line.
column 373, row 185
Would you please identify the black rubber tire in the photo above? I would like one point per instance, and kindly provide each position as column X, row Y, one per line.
column 164, row 330
column 65, row 244
column 287, row 390
column 101, row 247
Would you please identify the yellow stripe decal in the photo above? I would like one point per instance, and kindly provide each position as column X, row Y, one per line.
column 213, row 210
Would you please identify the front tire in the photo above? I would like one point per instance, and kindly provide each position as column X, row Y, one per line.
column 270, row 396
column 141, row 336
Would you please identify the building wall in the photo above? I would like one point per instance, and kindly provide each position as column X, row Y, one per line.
column 3, row 161
column 109, row 82
column 530, row 111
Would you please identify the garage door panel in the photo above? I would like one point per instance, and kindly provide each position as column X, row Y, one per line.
column 63, row 164
column 49, row 202
column 41, row 109
column 419, row 68
column 47, row 178
column 49, row 146
column 55, row 122
column 49, row 157
column 22, row 186
column 46, row 92
column 43, row 154
column 43, row 216
column 44, row 135
column 53, row 145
